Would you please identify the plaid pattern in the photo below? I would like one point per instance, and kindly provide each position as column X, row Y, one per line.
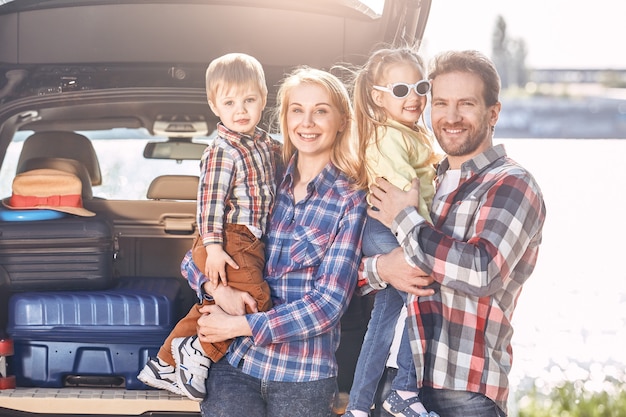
column 313, row 252
column 482, row 249
column 237, row 182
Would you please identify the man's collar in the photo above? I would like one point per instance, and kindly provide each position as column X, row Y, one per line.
column 477, row 163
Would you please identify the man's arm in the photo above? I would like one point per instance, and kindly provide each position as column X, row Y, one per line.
column 501, row 234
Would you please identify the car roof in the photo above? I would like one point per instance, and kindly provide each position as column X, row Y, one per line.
column 170, row 42
column 68, row 45
column 278, row 32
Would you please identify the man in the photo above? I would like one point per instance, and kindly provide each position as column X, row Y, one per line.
column 487, row 215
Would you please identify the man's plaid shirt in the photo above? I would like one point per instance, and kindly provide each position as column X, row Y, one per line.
column 482, row 248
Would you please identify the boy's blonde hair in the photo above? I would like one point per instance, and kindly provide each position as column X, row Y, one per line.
column 234, row 70
column 344, row 153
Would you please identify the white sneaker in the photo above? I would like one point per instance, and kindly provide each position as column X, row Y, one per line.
column 192, row 367
column 159, row 374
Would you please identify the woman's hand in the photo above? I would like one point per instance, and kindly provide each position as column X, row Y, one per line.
column 231, row 300
column 394, row 270
column 215, row 325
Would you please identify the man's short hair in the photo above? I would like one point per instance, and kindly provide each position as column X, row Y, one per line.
column 473, row 62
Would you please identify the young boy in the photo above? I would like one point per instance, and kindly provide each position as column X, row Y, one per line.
column 237, row 187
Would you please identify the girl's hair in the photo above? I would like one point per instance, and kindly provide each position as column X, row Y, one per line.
column 345, row 152
column 473, row 62
column 369, row 115
column 235, row 70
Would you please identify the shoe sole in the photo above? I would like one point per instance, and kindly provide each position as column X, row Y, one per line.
column 387, row 407
column 149, row 379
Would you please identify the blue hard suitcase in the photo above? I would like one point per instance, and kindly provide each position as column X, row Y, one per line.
column 91, row 338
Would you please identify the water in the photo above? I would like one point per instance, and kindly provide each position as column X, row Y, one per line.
column 570, row 317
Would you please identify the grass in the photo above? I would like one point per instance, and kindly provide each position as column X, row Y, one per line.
column 571, row 399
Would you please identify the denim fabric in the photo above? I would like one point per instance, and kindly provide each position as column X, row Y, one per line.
column 448, row 403
column 231, row 393
column 406, row 379
column 377, row 238
column 371, row 364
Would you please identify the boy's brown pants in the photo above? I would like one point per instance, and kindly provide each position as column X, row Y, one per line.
column 249, row 253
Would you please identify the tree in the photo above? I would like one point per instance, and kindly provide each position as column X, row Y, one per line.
column 518, row 52
column 509, row 56
column 499, row 50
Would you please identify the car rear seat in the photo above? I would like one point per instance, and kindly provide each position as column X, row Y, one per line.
column 174, row 187
column 153, row 235
column 59, row 144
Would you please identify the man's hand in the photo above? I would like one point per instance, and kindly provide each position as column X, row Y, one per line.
column 394, row 270
column 388, row 200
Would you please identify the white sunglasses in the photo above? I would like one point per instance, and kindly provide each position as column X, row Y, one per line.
column 401, row 90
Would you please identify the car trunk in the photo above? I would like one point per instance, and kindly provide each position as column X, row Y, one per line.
column 71, row 65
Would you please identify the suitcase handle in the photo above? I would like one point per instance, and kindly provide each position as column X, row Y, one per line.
column 94, row 381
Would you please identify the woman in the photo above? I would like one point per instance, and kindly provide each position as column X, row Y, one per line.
column 282, row 362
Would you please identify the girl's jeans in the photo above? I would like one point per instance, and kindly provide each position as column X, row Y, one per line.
column 378, row 239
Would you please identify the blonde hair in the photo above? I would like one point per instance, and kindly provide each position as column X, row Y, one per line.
column 234, row 70
column 369, row 115
column 344, row 153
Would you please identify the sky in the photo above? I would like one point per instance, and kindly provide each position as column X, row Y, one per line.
column 558, row 33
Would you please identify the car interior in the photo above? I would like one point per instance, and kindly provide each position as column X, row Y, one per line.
column 151, row 231
column 151, row 234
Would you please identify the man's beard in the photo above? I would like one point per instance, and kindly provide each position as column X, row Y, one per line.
column 468, row 146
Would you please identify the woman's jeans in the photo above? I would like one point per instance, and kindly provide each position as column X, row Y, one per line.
column 388, row 303
column 231, row 393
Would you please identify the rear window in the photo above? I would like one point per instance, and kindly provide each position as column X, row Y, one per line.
column 126, row 174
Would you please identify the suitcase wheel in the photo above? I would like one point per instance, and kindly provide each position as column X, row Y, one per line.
column 6, row 347
column 7, row 382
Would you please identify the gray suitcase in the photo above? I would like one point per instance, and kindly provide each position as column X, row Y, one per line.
column 70, row 252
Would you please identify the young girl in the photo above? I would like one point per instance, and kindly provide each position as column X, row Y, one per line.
column 389, row 98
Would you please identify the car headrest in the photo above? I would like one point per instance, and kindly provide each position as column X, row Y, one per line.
column 62, row 164
column 174, row 187
column 57, row 144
